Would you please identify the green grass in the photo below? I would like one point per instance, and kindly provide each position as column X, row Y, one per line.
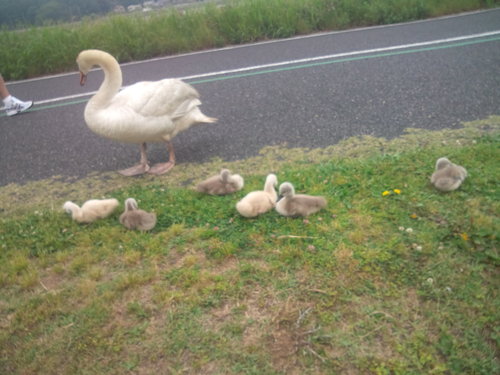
column 37, row 51
column 349, row 290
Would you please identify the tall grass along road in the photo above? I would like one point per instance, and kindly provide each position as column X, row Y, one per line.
column 430, row 74
column 36, row 51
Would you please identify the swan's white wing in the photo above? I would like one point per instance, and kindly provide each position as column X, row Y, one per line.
column 168, row 97
column 144, row 112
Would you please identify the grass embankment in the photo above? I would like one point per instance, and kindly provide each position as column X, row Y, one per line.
column 403, row 283
column 53, row 49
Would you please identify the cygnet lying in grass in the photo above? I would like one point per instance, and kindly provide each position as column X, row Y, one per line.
column 448, row 176
column 91, row 210
column 134, row 218
column 258, row 202
column 298, row 204
column 221, row 184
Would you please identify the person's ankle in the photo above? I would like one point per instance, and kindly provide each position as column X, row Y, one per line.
column 8, row 100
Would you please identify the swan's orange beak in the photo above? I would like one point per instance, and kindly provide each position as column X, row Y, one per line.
column 83, row 79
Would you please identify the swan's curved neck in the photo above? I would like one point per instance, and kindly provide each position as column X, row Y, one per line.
column 130, row 205
column 269, row 185
column 112, row 77
column 76, row 211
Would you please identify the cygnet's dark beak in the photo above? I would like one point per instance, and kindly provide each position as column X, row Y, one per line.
column 280, row 197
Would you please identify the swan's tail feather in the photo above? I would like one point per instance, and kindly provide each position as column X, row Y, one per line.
column 205, row 119
column 198, row 116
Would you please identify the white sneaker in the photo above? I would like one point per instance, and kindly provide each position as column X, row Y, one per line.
column 18, row 107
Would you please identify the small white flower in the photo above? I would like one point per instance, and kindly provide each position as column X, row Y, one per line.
column 448, row 289
column 416, row 247
column 409, row 230
column 430, row 281
column 401, row 228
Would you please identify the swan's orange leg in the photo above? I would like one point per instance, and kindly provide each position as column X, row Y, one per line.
column 140, row 168
column 162, row 168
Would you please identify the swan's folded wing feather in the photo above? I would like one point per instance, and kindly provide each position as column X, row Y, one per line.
column 168, row 97
column 125, row 124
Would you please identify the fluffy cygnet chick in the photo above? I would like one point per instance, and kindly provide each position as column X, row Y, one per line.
column 297, row 204
column 258, row 202
column 134, row 218
column 91, row 210
column 448, row 176
column 221, row 184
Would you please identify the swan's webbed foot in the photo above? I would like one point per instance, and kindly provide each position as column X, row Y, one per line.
column 140, row 168
column 135, row 170
column 161, row 168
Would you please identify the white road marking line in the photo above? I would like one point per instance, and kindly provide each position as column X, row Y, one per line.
column 301, row 61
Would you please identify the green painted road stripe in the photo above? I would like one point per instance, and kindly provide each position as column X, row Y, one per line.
column 345, row 59
column 300, row 66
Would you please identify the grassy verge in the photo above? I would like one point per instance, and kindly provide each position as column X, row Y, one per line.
column 53, row 49
column 404, row 283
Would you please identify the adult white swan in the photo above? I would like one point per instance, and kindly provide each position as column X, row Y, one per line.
column 143, row 112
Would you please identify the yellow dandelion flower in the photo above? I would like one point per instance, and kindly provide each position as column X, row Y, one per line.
column 414, row 215
column 386, row 193
column 464, row 236
column 397, row 191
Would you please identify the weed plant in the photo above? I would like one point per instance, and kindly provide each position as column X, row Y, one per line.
column 53, row 48
column 405, row 282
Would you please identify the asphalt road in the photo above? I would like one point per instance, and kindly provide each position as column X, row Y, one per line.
column 306, row 92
